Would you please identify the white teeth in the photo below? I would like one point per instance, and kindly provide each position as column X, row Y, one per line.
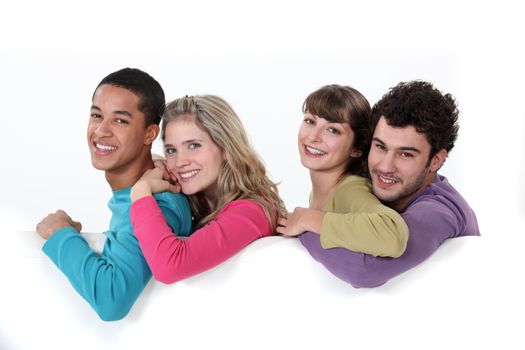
column 315, row 150
column 188, row 174
column 387, row 181
column 105, row 148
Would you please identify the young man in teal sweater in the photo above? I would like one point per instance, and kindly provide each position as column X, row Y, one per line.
column 124, row 121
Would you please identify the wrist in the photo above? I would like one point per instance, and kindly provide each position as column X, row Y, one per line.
column 314, row 221
column 139, row 190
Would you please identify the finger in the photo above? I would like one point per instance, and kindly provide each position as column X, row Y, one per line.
column 173, row 178
column 283, row 231
column 158, row 164
column 158, row 172
column 77, row 225
column 282, row 221
column 174, row 188
column 166, row 176
column 61, row 213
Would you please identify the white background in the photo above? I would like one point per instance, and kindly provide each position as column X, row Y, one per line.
column 264, row 58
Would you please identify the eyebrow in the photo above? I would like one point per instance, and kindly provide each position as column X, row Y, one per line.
column 125, row 113
column 403, row 148
column 191, row 141
column 184, row 142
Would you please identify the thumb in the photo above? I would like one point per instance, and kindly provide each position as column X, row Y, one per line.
column 77, row 225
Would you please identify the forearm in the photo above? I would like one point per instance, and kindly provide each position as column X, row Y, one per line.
column 362, row 270
column 140, row 190
column 172, row 259
column 108, row 285
column 379, row 234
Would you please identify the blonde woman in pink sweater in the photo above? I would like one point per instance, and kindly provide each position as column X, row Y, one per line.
column 232, row 199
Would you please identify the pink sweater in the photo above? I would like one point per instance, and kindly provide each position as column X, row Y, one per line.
column 172, row 259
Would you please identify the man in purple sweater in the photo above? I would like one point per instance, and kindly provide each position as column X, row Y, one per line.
column 414, row 127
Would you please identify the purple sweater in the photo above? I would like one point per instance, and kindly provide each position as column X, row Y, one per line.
column 436, row 214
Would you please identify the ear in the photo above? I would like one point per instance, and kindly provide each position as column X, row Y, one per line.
column 356, row 153
column 438, row 160
column 152, row 131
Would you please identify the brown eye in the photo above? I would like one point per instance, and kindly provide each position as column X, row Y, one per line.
column 170, row 150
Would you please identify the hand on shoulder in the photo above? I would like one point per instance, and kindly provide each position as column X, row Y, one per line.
column 152, row 181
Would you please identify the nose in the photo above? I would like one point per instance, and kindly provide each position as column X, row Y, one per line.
column 182, row 160
column 386, row 163
column 315, row 134
column 103, row 128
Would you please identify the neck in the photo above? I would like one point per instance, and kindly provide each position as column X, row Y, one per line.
column 322, row 186
column 127, row 177
column 210, row 195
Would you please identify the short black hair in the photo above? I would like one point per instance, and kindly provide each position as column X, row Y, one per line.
column 151, row 96
column 419, row 104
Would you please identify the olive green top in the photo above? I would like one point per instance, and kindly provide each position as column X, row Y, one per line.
column 356, row 220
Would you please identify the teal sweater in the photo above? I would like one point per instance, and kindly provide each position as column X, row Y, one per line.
column 112, row 281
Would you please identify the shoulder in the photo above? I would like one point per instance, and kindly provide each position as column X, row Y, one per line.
column 354, row 193
column 169, row 200
column 440, row 206
column 353, row 184
column 244, row 206
column 354, row 181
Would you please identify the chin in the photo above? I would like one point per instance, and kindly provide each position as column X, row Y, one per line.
column 188, row 191
column 99, row 166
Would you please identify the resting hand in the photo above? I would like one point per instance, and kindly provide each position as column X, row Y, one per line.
column 54, row 222
column 152, row 182
column 160, row 163
column 301, row 220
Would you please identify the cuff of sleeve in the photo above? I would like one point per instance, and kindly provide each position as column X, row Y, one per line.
column 52, row 243
column 326, row 233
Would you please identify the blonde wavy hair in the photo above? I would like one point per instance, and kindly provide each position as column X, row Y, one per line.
column 242, row 174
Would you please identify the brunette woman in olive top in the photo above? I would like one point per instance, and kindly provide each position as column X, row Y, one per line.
column 333, row 145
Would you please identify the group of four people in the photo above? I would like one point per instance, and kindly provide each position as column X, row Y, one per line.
column 377, row 206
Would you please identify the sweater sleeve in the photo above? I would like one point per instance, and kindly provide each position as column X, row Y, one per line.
column 172, row 259
column 176, row 209
column 363, row 224
column 430, row 223
column 110, row 282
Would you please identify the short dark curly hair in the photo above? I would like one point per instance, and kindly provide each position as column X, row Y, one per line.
column 419, row 104
column 151, row 95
